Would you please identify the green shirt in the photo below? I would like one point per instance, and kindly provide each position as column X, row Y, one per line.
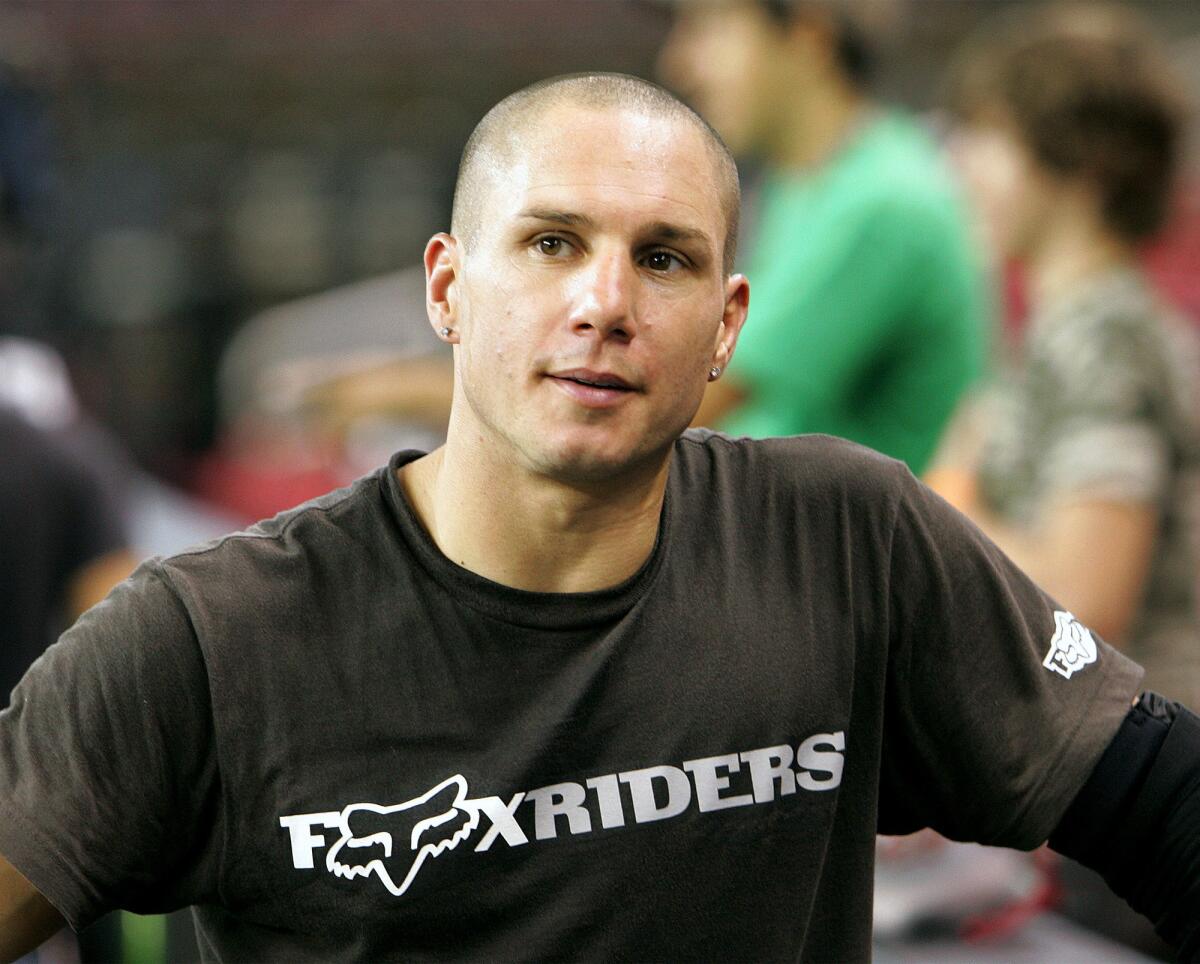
column 867, row 309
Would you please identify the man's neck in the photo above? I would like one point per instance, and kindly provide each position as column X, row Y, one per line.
column 1073, row 253
column 826, row 123
column 523, row 530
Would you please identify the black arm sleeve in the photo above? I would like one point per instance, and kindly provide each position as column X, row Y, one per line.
column 1137, row 819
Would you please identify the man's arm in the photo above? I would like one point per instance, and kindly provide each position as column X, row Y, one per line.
column 1137, row 819
column 1090, row 547
column 107, row 754
column 1092, row 554
column 416, row 389
column 26, row 917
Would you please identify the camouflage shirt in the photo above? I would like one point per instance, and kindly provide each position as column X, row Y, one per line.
column 1105, row 402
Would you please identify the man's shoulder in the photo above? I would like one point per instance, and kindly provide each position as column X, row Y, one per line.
column 898, row 147
column 314, row 533
column 807, row 463
column 899, row 175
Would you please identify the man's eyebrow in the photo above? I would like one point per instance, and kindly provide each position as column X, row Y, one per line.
column 675, row 232
column 557, row 217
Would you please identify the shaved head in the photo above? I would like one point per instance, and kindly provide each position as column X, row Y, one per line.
column 501, row 136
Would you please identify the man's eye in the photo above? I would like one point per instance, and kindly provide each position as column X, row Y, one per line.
column 663, row 261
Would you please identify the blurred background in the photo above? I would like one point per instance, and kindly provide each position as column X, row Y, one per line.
column 171, row 169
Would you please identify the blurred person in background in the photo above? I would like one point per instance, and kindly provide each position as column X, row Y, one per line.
column 269, row 455
column 869, row 308
column 414, row 391
column 1081, row 463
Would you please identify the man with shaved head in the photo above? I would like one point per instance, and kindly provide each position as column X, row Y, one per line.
column 579, row 684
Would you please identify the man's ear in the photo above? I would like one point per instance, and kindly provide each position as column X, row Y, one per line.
column 442, row 265
column 737, row 303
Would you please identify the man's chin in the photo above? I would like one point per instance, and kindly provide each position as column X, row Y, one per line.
column 583, row 464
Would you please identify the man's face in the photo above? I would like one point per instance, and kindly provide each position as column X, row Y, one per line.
column 721, row 56
column 591, row 300
column 1011, row 195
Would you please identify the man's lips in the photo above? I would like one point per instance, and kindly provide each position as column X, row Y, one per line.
column 593, row 389
column 586, row 376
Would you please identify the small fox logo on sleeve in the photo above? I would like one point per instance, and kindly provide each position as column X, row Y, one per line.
column 393, row 842
column 1071, row 647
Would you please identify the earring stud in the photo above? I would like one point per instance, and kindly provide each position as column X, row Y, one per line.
column 445, row 332
column 714, row 372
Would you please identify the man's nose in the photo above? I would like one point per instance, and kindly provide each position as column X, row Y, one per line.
column 605, row 294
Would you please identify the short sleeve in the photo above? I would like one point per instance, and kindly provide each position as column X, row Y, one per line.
column 999, row 703
column 1107, row 436
column 109, row 791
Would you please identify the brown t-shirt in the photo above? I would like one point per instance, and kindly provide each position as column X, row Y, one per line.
column 337, row 744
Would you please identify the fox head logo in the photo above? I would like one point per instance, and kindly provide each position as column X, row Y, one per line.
column 393, row 842
column 1071, row 647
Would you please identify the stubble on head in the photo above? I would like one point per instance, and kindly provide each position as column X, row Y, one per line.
column 515, row 316
column 501, row 138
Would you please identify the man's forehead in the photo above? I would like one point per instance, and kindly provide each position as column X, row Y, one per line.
column 591, row 153
column 619, row 131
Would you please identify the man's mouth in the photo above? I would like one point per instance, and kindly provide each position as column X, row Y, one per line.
column 594, row 379
column 592, row 389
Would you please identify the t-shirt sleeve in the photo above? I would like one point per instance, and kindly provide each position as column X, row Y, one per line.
column 819, row 315
column 999, row 703
column 1107, row 439
column 109, row 791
